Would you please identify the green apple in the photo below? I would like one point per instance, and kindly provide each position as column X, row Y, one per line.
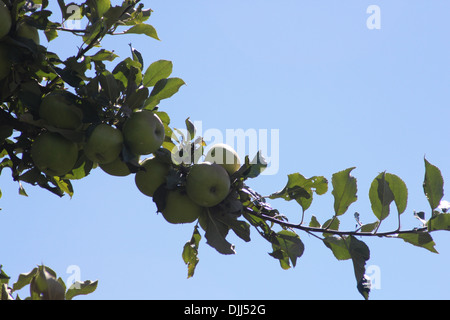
column 5, row 62
column 116, row 168
column 5, row 20
column 57, row 110
column 152, row 177
column 24, row 30
column 53, row 154
column 224, row 155
column 104, row 144
column 180, row 208
column 143, row 132
column 207, row 184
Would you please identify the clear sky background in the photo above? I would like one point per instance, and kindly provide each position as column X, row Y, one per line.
column 340, row 94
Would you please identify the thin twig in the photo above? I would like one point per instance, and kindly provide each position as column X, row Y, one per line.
column 335, row 232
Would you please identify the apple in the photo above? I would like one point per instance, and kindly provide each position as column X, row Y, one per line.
column 104, row 144
column 207, row 184
column 5, row 62
column 143, row 132
column 53, row 154
column 24, row 30
column 5, row 20
column 116, row 168
column 180, row 208
column 224, row 155
column 57, row 111
column 152, row 177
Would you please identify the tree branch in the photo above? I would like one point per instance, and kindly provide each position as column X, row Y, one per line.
column 334, row 232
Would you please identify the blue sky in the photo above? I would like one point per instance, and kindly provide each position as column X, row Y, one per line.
column 340, row 94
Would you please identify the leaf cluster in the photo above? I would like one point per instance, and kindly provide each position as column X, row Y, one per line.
column 103, row 96
column 44, row 284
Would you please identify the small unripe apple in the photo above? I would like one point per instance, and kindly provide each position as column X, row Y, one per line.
column 152, row 177
column 143, row 132
column 104, row 144
column 53, row 154
column 180, row 208
column 207, row 184
column 116, row 168
column 224, row 155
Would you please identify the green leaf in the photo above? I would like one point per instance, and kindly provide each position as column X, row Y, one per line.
column 433, row 185
column 422, row 239
column 109, row 85
column 348, row 247
column 301, row 189
column 344, row 190
column 380, row 196
column 102, row 7
column 190, row 252
column 5, row 292
column 81, row 169
column 99, row 7
column 190, row 128
column 314, row 223
column 240, row 228
column 137, row 98
column 216, row 232
column 399, row 190
column 103, row 55
column 24, row 279
column 369, row 227
column 144, row 29
column 51, row 34
column 440, row 221
column 64, row 185
column 22, row 191
column 252, row 169
column 127, row 72
column 4, row 278
column 81, row 288
column 158, row 70
column 287, row 247
column 338, row 246
column 163, row 89
column 360, row 253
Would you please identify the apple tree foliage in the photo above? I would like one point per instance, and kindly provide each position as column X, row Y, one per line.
column 110, row 96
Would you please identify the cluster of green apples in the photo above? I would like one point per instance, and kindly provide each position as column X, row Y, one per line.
column 207, row 183
column 55, row 155
column 21, row 30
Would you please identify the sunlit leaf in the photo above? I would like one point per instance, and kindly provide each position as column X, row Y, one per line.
column 440, row 221
column 190, row 252
column 158, row 70
column 163, row 89
column 81, row 288
column 380, row 196
column 144, row 29
column 423, row 240
column 433, row 185
column 301, row 189
column 287, row 247
column 399, row 190
column 344, row 190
